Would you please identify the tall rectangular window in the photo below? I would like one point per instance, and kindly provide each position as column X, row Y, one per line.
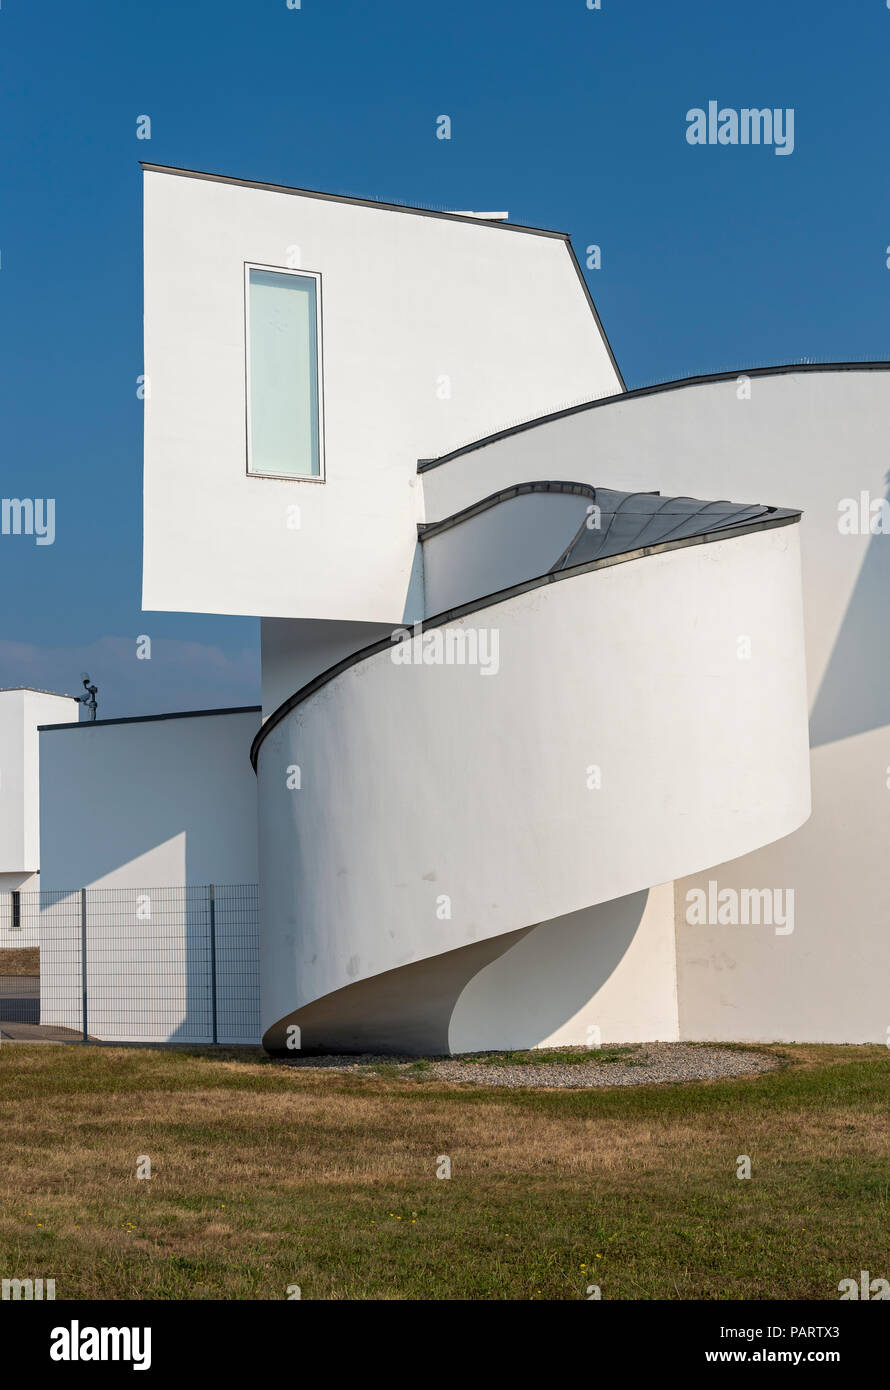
column 283, row 374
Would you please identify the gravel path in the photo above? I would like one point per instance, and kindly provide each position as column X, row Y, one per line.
column 639, row 1065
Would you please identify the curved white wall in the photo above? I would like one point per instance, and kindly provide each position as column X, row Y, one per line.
column 420, row 781
column 807, row 439
column 516, row 539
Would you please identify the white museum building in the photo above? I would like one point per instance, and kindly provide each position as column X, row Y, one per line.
column 575, row 716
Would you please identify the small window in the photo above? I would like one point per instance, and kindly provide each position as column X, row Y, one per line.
column 284, row 429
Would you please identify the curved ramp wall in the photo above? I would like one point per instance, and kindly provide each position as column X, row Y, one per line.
column 815, row 438
column 617, row 743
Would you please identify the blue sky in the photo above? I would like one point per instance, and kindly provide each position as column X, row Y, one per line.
column 712, row 257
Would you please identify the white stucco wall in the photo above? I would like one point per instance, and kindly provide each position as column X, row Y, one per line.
column 809, row 440
column 435, row 329
column 295, row 650
column 21, row 711
column 423, row 781
column 829, row 979
column 148, row 802
column 144, row 813
column 515, row 540
column 24, row 883
column 604, row 974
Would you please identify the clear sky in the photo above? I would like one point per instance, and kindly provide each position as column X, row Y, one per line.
column 713, row 257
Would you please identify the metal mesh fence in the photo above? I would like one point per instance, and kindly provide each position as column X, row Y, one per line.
column 177, row 964
column 20, row 998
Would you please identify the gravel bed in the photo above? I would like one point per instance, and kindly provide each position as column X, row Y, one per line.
column 640, row 1064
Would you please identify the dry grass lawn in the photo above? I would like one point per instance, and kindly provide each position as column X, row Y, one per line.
column 265, row 1177
column 19, row 960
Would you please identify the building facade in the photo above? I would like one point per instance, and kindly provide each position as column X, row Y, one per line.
column 530, row 709
column 541, row 709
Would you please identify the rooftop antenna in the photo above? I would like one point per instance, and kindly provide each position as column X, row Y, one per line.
column 89, row 699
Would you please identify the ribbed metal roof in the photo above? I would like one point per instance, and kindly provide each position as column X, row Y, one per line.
column 618, row 522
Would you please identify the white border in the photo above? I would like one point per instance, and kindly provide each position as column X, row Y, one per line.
column 315, row 275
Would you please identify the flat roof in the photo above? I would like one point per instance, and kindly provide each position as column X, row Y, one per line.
column 151, row 718
column 37, row 690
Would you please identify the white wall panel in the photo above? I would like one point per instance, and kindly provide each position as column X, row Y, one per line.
column 435, row 331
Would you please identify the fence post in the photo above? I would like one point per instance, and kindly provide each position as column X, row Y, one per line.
column 213, row 959
column 83, row 956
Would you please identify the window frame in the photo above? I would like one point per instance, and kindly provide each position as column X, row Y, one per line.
column 315, row 275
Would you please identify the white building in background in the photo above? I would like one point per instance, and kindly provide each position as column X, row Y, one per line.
column 22, row 711
column 533, row 765
column 145, row 814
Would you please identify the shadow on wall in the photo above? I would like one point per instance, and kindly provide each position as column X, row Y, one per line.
column 474, row 998
column 151, row 963
column 854, row 696
column 555, row 981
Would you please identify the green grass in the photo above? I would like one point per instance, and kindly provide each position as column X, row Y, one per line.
column 266, row 1176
